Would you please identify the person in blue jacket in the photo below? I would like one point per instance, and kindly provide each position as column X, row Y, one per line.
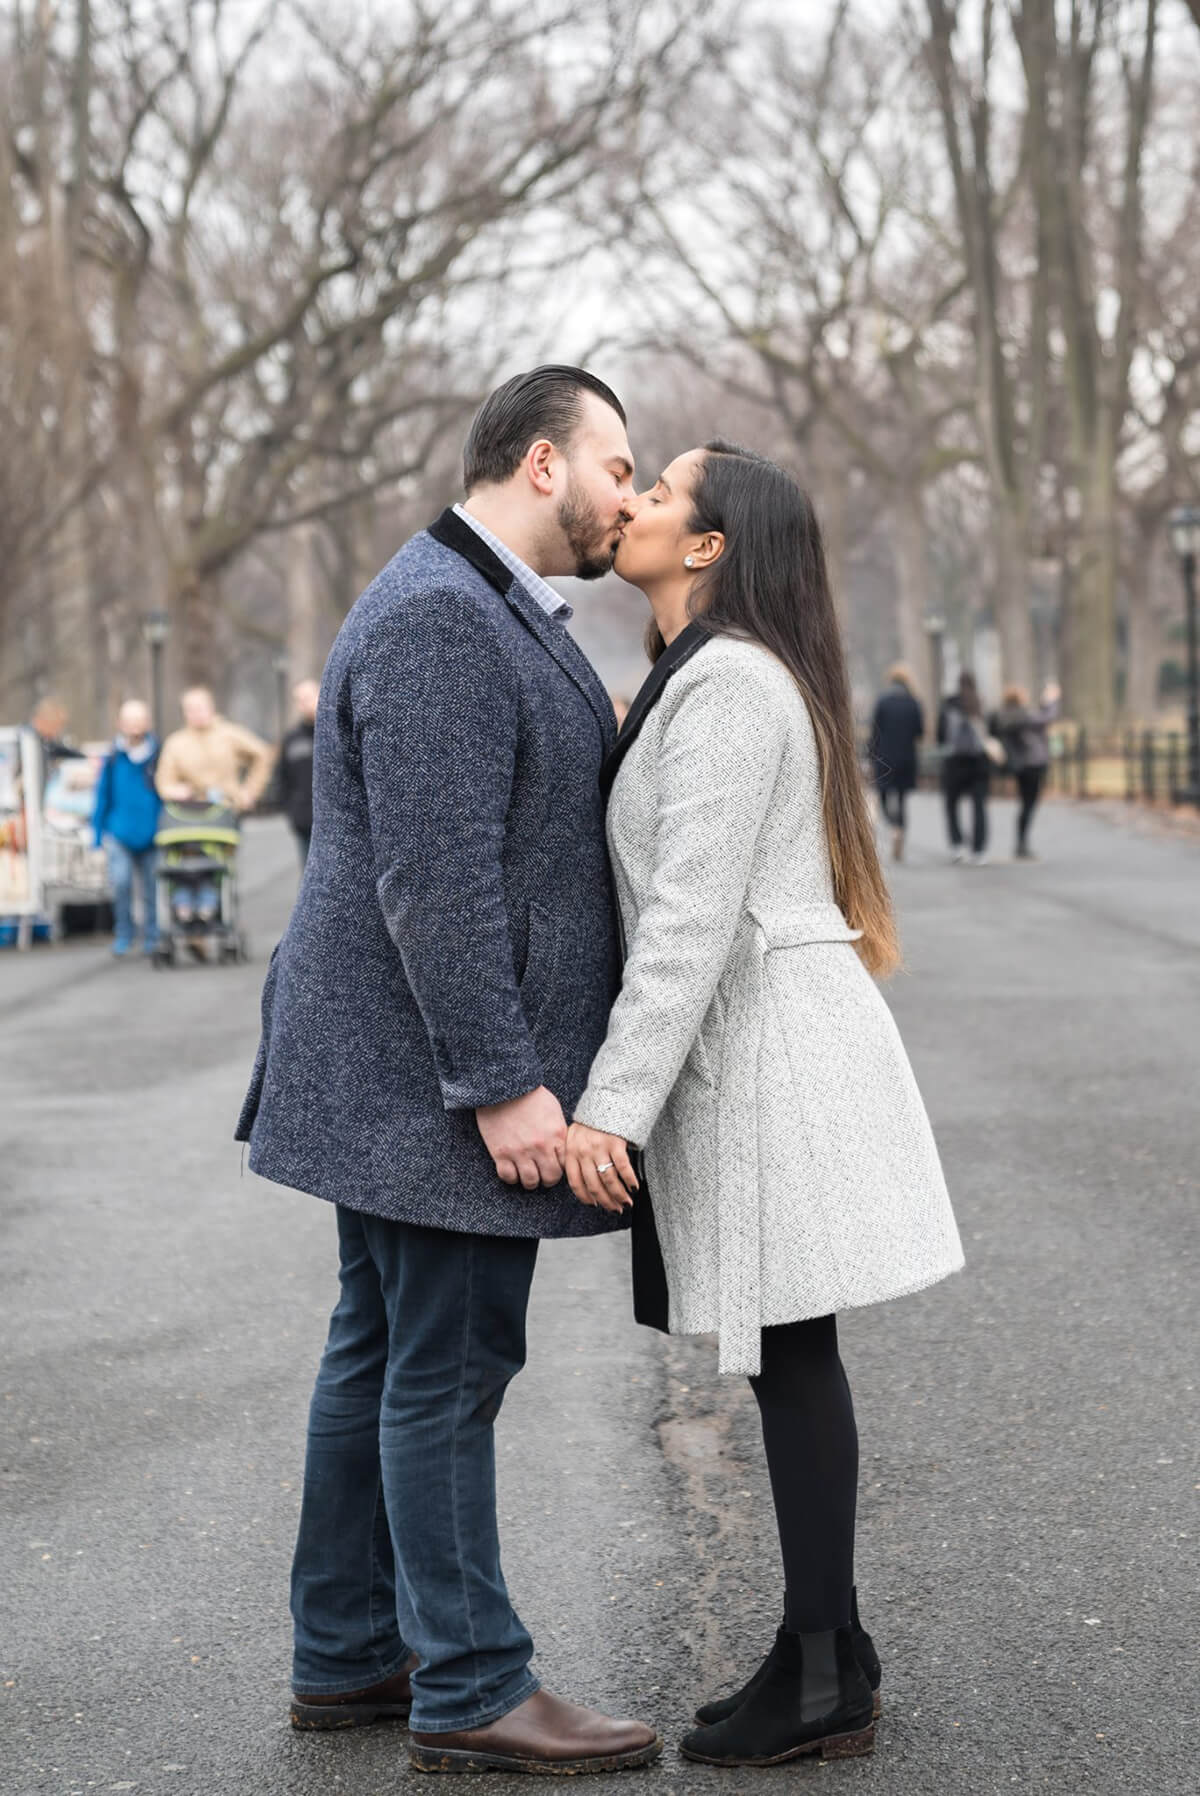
column 125, row 818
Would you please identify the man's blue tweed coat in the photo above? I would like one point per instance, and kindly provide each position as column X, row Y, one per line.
column 454, row 940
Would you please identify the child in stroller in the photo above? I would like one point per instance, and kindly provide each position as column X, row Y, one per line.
column 197, row 880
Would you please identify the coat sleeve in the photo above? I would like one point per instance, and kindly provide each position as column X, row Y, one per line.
column 873, row 739
column 103, row 802
column 721, row 754
column 258, row 759
column 276, row 793
column 435, row 714
column 167, row 772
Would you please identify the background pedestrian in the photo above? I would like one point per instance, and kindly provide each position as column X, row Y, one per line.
column 966, row 770
column 1022, row 728
column 897, row 726
column 49, row 723
column 125, row 818
column 214, row 759
column 293, row 781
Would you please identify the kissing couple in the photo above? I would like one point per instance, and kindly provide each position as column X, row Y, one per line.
column 545, row 980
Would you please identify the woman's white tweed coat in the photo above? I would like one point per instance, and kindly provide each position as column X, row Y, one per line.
column 788, row 1155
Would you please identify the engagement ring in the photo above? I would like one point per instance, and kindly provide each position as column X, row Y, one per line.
column 607, row 1167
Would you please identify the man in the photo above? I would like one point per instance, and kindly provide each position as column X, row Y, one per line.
column 292, row 788
column 125, row 818
column 49, row 723
column 210, row 758
column 433, row 1008
column 213, row 758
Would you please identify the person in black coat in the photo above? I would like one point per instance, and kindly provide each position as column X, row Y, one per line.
column 429, row 1019
column 966, row 768
column 292, row 785
column 896, row 728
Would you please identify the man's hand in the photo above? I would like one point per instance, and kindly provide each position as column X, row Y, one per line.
column 527, row 1138
column 599, row 1170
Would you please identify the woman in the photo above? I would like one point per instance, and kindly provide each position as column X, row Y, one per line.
column 967, row 767
column 1022, row 730
column 789, row 1163
column 896, row 728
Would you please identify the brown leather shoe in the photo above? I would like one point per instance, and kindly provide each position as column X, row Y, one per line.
column 543, row 1734
column 389, row 1701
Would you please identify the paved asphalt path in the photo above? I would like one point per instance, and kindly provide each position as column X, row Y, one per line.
column 1028, row 1517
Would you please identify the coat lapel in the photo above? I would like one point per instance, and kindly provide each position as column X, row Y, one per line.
column 557, row 639
column 693, row 637
column 453, row 533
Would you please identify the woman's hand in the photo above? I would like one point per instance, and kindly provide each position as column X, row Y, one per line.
column 599, row 1170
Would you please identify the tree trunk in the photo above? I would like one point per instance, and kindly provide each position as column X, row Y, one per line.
column 71, row 609
column 1013, row 608
column 1091, row 621
column 1145, row 637
column 831, row 484
column 307, row 643
column 910, row 539
column 196, row 603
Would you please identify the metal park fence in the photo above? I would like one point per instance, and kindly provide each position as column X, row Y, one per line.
column 1142, row 766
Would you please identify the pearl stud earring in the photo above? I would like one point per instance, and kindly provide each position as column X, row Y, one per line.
column 689, row 561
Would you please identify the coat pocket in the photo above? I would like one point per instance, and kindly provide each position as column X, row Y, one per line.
column 704, row 1055
column 796, row 926
column 540, row 977
column 250, row 1103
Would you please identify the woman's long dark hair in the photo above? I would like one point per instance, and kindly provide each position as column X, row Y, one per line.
column 968, row 695
column 770, row 586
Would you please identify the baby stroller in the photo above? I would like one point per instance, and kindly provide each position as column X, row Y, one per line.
column 197, row 888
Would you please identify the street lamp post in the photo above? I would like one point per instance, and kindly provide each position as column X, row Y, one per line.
column 156, row 631
column 935, row 629
column 279, row 663
column 1184, row 526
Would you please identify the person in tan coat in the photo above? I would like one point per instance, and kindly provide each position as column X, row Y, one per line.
column 209, row 758
column 210, row 755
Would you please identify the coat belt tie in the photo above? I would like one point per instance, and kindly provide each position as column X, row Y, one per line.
column 739, row 1194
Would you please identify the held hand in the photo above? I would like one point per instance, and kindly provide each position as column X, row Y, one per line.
column 527, row 1138
column 599, row 1170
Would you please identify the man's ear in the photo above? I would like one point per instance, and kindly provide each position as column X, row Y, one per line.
column 539, row 465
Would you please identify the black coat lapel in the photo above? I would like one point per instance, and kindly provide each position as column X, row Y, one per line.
column 689, row 639
column 453, row 533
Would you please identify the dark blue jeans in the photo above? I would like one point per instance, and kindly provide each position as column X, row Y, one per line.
column 123, row 864
column 398, row 1549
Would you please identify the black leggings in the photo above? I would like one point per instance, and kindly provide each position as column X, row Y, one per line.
column 891, row 803
column 1029, row 784
column 811, row 1440
column 964, row 775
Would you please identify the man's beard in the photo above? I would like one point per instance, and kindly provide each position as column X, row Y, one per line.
column 587, row 540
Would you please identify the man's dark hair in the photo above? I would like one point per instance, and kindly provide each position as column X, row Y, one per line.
column 545, row 402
